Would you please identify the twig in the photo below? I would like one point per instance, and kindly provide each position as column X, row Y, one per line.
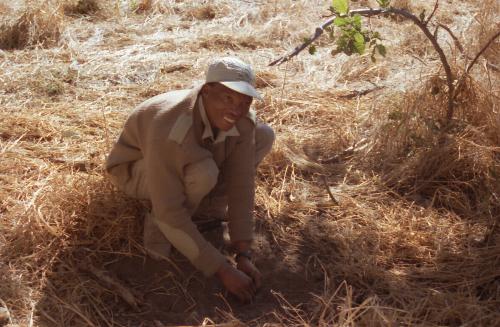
column 329, row 191
column 455, row 39
column 474, row 61
column 356, row 93
column 439, row 50
column 121, row 290
column 71, row 307
column 319, row 31
column 400, row 12
column 433, row 12
column 481, row 52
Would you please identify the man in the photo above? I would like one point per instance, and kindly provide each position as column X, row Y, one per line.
column 194, row 152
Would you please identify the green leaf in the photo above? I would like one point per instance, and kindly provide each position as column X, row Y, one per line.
column 341, row 6
column 381, row 49
column 422, row 15
column 372, row 56
column 359, row 43
column 339, row 21
column 384, row 3
column 357, row 22
column 312, row 49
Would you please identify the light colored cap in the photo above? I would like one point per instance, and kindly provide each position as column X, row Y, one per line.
column 234, row 74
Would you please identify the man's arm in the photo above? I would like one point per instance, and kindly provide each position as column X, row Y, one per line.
column 240, row 181
column 240, row 178
column 164, row 169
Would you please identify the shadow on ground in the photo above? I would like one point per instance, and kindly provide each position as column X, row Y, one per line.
column 102, row 277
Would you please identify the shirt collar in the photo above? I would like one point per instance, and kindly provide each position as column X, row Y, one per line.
column 208, row 133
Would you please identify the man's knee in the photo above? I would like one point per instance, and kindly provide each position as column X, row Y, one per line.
column 264, row 139
column 200, row 178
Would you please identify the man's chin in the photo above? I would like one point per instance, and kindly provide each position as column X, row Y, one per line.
column 226, row 126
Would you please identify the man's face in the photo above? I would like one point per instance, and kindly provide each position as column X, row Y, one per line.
column 224, row 106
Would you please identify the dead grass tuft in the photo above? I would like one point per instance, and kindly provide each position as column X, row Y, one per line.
column 457, row 169
column 36, row 26
column 81, row 7
column 265, row 79
column 489, row 24
column 204, row 12
column 219, row 41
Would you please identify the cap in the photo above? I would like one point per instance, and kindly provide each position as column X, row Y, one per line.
column 234, row 74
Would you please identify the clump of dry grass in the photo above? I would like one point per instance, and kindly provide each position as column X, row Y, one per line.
column 219, row 41
column 265, row 79
column 454, row 168
column 489, row 24
column 205, row 11
column 81, row 7
column 38, row 25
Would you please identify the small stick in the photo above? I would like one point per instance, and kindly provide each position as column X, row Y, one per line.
column 455, row 39
column 433, row 12
column 329, row 191
column 319, row 30
column 122, row 291
column 481, row 52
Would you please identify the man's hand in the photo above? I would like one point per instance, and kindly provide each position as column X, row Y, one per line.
column 237, row 282
column 244, row 264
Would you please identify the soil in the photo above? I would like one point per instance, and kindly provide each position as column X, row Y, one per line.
column 186, row 296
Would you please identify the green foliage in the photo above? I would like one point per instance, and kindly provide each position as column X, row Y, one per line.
column 384, row 3
column 133, row 5
column 352, row 37
column 422, row 15
column 341, row 6
column 312, row 49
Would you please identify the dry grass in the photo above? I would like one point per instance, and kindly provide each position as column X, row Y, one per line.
column 368, row 213
column 457, row 169
column 81, row 7
column 489, row 24
column 36, row 26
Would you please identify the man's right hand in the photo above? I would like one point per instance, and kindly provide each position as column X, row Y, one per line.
column 237, row 282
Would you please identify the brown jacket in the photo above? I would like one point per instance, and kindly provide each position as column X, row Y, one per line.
column 166, row 131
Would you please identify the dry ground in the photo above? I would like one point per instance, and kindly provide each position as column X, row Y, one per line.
column 408, row 236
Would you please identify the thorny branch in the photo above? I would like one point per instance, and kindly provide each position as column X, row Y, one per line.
column 422, row 24
column 432, row 14
column 481, row 52
column 474, row 61
column 439, row 50
column 455, row 39
column 319, row 30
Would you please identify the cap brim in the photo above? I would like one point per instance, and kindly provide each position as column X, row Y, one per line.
column 243, row 87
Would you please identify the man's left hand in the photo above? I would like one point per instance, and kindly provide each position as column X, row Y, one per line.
column 245, row 265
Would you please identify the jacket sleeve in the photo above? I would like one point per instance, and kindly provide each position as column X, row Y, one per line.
column 240, row 181
column 164, row 171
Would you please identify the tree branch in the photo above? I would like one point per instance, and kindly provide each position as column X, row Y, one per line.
column 439, row 50
column 474, row 61
column 433, row 12
column 481, row 52
column 401, row 12
column 455, row 39
column 319, row 31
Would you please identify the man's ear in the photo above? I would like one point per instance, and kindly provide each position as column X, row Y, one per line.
column 207, row 88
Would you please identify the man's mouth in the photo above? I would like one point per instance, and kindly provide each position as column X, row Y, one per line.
column 229, row 120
